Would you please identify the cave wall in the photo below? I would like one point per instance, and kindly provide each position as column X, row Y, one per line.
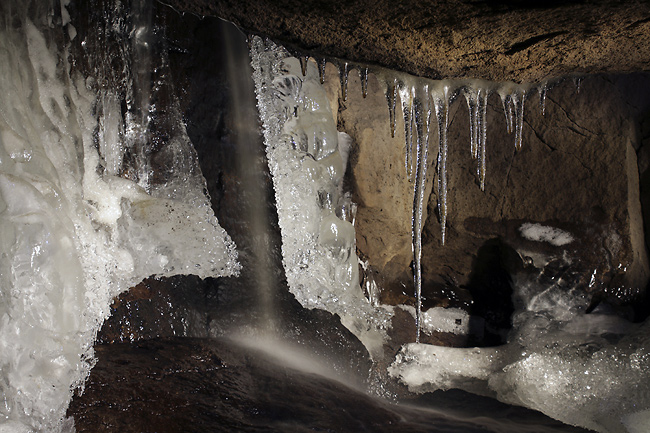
column 576, row 171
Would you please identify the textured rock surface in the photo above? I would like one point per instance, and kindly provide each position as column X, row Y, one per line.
column 516, row 40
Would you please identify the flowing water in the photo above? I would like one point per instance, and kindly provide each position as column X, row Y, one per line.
column 131, row 146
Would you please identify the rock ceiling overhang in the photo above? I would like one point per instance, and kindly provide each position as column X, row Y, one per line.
column 518, row 40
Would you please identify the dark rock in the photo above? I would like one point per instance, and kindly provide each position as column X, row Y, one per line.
column 156, row 308
column 194, row 385
column 494, row 40
column 490, row 287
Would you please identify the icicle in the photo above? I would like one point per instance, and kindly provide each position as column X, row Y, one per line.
column 513, row 98
column 344, row 72
column 518, row 99
column 482, row 135
column 363, row 74
column 441, row 103
column 506, row 100
column 422, row 118
column 391, row 97
column 321, row 69
column 303, row 64
column 406, row 96
column 542, row 97
column 577, row 81
column 471, row 96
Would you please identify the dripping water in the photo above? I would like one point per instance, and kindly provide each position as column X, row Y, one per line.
column 250, row 168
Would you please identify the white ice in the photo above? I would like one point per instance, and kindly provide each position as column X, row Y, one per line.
column 589, row 370
column 540, row 233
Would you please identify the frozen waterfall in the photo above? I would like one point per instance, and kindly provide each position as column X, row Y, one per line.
column 83, row 212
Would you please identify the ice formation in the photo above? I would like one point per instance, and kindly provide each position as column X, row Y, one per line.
column 75, row 229
column 295, row 138
column 586, row 370
column 439, row 319
column 420, row 99
column 540, row 233
column 307, row 158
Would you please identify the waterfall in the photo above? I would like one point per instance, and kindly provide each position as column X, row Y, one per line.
column 100, row 187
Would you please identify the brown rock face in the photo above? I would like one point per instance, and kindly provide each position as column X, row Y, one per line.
column 502, row 40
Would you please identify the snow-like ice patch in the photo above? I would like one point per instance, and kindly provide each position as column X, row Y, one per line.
column 540, row 233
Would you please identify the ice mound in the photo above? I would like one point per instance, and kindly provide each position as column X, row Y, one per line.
column 73, row 234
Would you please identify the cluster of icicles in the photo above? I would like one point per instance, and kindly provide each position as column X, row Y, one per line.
column 420, row 100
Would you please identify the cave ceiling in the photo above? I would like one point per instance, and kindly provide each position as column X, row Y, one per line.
column 517, row 40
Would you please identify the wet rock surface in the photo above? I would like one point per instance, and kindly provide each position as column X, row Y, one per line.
column 184, row 384
column 494, row 40
column 206, row 385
